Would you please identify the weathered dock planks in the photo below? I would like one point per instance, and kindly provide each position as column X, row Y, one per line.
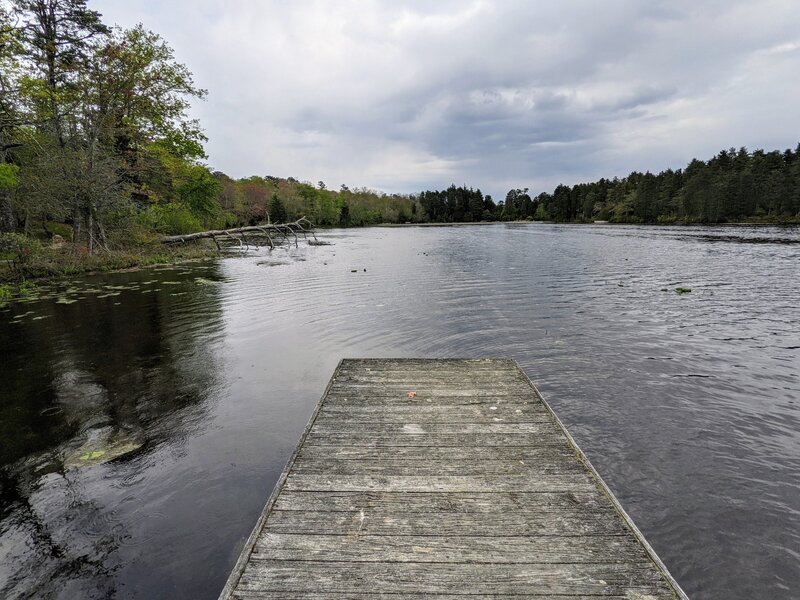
column 468, row 487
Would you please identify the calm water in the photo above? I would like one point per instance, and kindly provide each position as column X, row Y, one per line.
column 205, row 375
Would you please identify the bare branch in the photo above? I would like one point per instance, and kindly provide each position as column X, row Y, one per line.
column 302, row 224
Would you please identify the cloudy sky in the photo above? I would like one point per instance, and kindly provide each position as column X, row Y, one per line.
column 409, row 95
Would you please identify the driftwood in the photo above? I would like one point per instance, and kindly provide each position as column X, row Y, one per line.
column 288, row 232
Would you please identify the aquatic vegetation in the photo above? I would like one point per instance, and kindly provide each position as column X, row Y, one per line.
column 102, row 446
column 93, row 455
column 5, row 293
column 44, row 262
column 271, row 263
column 683, row 290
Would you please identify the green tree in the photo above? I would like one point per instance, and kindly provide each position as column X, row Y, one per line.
column 59, row 37
column 344, row 215
column 277, row 210
column 10, row 114
column 511, row 205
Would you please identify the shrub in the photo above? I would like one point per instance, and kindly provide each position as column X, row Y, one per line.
column 171, row 219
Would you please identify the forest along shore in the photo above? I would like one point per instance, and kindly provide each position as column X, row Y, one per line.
column 100, row 159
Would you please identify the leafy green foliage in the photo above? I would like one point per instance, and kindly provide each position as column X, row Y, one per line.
column 171, row 219
column 197, row 189
column 17, row 251
column 101, row 119
column 8, row 176
column 96, row 140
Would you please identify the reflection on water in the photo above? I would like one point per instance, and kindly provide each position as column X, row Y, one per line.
column 146, row 416
column 113, row 375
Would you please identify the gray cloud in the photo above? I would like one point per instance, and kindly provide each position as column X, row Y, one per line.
column 403, row 96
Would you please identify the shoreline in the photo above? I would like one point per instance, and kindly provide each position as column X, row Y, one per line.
column 577, row 223
column 54, row 264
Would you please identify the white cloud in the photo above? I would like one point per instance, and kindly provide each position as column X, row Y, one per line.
column 409, row 95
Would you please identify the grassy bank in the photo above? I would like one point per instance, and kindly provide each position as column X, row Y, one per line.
column 23, row 260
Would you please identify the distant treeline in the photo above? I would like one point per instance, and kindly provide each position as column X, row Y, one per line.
column 97, row 147
column 735, row 185
column 257, row 199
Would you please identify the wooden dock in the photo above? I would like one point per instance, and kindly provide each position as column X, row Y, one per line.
column 442, row 479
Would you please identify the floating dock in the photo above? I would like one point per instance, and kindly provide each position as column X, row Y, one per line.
column 442, row 479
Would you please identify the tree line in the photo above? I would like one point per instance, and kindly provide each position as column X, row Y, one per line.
column 95, row 138
column 733, row 186
column 97, row 146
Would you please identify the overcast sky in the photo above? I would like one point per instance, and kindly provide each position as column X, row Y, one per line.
column 409, row 95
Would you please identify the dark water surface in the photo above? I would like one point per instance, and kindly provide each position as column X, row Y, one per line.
column 200, row 379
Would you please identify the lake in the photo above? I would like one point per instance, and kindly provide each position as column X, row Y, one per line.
column 198, row 379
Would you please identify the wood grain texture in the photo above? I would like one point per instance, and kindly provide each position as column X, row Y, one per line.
column 473, row 578
column 595, row 549
column 443, row 502
column 240, row 594
column 277, row 595
column 442, row 479
column 438, row 524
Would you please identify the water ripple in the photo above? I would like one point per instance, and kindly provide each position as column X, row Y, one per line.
column 689, row 405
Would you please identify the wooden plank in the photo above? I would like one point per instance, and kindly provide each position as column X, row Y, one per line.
column 576, row 482
column 596, row 549
column 367, row 439
column 317, row 595
column 468, row 487
column 442, row 502
column 484, row 380
column 420, row 454
column 442, row 389
column 547, row 465
column 336, row 399
column 338, row 427
column 426, row 365
column 438, row 524
column 484, row 412
column 426, row 578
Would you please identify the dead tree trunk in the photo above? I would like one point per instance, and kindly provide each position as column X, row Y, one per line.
column 302, row 226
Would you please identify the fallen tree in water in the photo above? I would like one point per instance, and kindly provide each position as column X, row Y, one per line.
column 275, row 234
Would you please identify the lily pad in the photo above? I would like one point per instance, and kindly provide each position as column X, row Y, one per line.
column 204, row 281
